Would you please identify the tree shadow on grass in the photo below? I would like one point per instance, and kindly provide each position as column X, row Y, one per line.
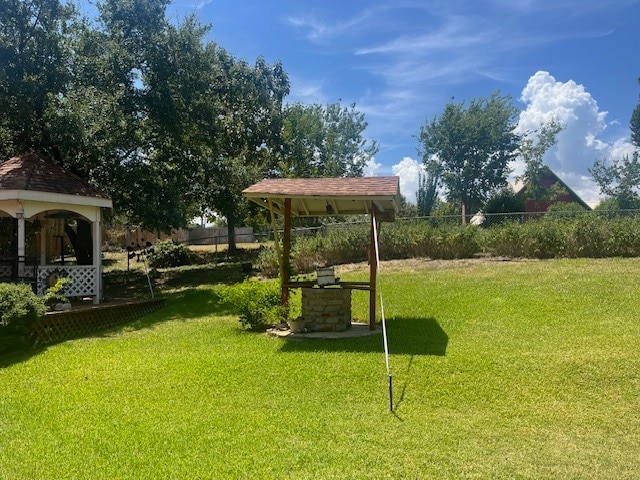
column 406, row 336
column 179, row 305
column 134, row 284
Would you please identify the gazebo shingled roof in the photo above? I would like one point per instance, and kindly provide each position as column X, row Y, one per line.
column 34, row 172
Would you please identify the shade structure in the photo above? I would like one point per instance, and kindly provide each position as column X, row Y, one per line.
column 317, row 197
column 36, row 192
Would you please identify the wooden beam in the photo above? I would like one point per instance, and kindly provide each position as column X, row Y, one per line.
column 304, row 206
column 373, row 270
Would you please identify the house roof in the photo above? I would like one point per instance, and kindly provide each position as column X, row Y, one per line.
column 313, row 197
column 520, row 187
column 34, row 172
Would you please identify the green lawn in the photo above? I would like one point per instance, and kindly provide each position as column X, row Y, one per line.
column 501, row 370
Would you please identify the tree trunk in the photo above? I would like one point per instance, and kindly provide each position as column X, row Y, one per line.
column 81, row 241
column 231, row 233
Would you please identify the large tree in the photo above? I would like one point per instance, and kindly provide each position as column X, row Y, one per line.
column 34, row 70
column 635, row 125
column 620, row 179
column 533, row 146
column 427, row 192
column 471, row 146
column 245, row 136
column 324, row 141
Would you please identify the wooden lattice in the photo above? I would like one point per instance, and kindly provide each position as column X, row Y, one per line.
column 58, row 326
column 83, row 279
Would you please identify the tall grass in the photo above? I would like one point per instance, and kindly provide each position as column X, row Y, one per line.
column 581, row 235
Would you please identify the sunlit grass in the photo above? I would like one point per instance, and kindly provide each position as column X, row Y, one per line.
column 501, row 370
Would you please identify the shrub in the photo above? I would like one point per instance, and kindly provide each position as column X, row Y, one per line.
column 507, row 240
column 307, row 254
column 588, row 236
column 458, row 242
column 267, row 262
column 257, row 302
column 170, row 254
column 505, row 201
column 55, row 293
column 572, row 232
column 546, row 238
column 624, row 237
column 344, row 244
column 20, row 308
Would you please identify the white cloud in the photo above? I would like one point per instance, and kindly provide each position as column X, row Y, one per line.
column 371, row 168
column 409, row 171
column 200, row 4
column 307, row 91
column 581, row 142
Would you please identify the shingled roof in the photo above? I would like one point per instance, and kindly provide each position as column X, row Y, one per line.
column 344, row 196
column 36, row 173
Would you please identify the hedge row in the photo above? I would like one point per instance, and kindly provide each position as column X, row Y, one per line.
column 583, row 235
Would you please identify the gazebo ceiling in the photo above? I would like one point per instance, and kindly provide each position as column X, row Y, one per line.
column 315, row 197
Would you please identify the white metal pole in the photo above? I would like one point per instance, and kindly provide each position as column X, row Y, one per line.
column 384, row 322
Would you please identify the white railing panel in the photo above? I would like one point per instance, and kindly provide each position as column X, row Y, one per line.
column 83, row 279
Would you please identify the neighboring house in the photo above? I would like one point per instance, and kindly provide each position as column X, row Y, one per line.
column 558, row 192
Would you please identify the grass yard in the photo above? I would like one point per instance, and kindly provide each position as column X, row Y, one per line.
column 526, row 369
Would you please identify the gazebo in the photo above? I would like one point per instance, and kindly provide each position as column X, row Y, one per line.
column 43, row 209
column 378, row 197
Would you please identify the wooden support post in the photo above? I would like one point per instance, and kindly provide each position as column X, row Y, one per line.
column 286, row 255
column 373, row 270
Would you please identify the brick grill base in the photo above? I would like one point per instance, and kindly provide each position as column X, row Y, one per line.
column 326, row 309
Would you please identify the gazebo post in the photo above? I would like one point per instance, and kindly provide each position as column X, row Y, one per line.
column 276, row 242
column 21, row 242
column 43, row 244
column 373, row 270
column 96, row 235
column 286, row 255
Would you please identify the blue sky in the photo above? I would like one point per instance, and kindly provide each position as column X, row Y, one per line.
column 402, row 61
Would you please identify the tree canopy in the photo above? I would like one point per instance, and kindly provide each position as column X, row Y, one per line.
column 35, row 61
column 471, row 147
column 620, row 179
column 533, row 146
column 141, row 107
column 168, row 123
column 324, row 141
column 635, row 126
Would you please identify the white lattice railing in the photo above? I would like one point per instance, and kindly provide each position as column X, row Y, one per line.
column 83, row 279
column 6, row 270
